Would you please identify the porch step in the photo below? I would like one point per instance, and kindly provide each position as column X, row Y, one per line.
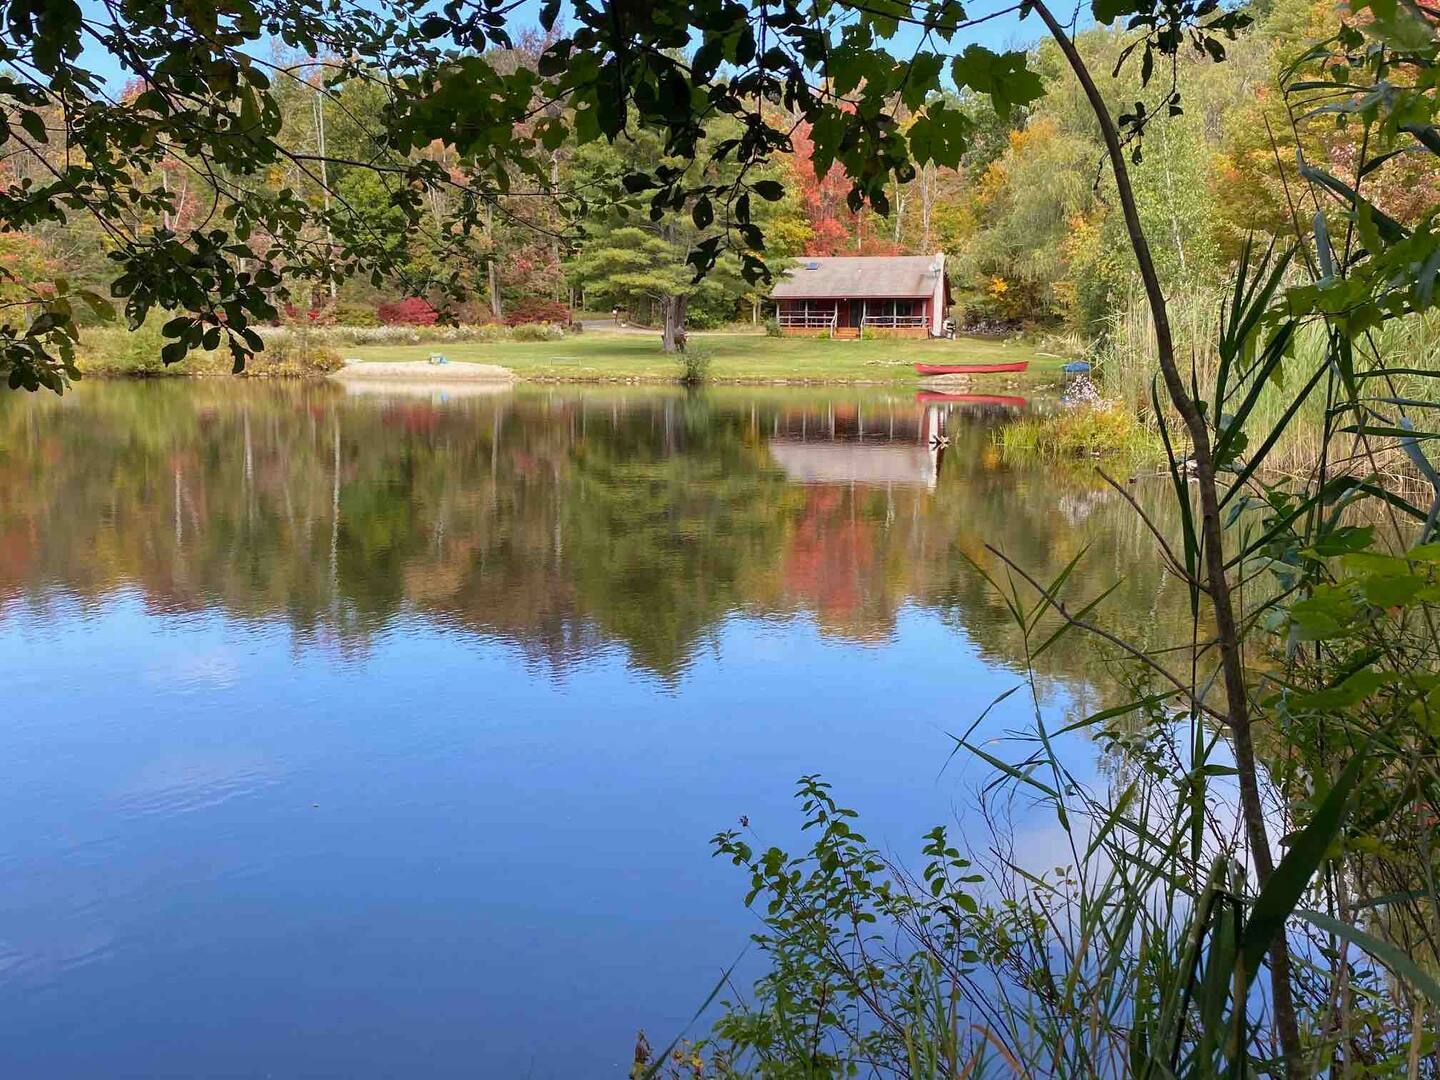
column 847, row 332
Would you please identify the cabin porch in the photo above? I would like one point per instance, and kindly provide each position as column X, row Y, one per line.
column 853, row 318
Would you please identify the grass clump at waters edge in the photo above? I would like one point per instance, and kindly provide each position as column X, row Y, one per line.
column 694, row 366
column 1092, row 429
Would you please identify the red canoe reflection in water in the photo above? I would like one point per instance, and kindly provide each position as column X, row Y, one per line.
column 930, row 397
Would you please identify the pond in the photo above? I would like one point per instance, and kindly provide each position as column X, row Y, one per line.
column 384, row 734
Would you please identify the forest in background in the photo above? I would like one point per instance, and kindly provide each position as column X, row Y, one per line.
column 1027, row 217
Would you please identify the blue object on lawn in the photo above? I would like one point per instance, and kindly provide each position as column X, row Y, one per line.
column 1076, row 367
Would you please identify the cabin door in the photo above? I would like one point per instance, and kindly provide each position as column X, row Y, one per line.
column 855, row 313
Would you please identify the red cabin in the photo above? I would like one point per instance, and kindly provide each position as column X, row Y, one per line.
column 846, row 296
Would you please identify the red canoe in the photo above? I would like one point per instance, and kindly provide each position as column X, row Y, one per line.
column 969, row 369
column 926, row 397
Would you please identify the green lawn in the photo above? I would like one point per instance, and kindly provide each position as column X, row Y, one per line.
column 734, row 357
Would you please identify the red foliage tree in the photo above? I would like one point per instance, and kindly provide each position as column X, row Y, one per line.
column 823, row 199
column 411, row 311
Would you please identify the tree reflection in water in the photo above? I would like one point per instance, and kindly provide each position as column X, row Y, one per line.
column 563, row 521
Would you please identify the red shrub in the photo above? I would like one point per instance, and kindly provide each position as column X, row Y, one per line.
column 532, row 309
column 412, row 311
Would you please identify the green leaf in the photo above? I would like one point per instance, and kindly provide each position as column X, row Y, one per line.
column 1342, row 541
column 1384, row 225
column 34, row 126
column 922, row 79
column 940, row 135
column 1277, row 900
column 1328, row 612
column 1003, row 76
column 1393, row 590
column 702, row 213
column 1351, row 691
column 1018, row 774
column 1106, row 11
column 552, row 133
column 103, row 309
column 1394, row 958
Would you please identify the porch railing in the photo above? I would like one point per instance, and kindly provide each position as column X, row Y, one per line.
column 895, row 322
column 808, row 320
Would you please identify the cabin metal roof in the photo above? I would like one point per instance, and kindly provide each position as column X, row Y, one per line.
column 830, row 463
column 838, row 277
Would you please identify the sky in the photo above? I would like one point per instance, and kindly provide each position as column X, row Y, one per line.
column 1004, row 32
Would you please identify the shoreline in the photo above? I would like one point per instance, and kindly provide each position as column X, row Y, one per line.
column 917, row 382
column 601, row 358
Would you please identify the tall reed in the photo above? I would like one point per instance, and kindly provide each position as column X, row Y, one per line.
column 1125, row 366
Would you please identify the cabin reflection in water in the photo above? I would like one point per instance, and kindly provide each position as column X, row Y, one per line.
column 879, row 445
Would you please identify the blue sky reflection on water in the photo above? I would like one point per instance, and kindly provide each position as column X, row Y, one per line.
column 236, row 859
column 234, row 848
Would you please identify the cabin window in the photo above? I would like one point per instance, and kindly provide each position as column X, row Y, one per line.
column 890, row 309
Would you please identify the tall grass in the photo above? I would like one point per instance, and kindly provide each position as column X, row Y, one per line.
column 296, row 349
column 116, row 351
column 1125, row 366
column 417, row 335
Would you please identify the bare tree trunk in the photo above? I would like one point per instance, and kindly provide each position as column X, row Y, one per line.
column 674, row 332
column 927, row 203
column 181, row 201
column 1212, row 534
column 318, row 101
column 555, row 240
column 492, row 272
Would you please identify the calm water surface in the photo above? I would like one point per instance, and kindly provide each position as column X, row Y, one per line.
column 384, row 735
